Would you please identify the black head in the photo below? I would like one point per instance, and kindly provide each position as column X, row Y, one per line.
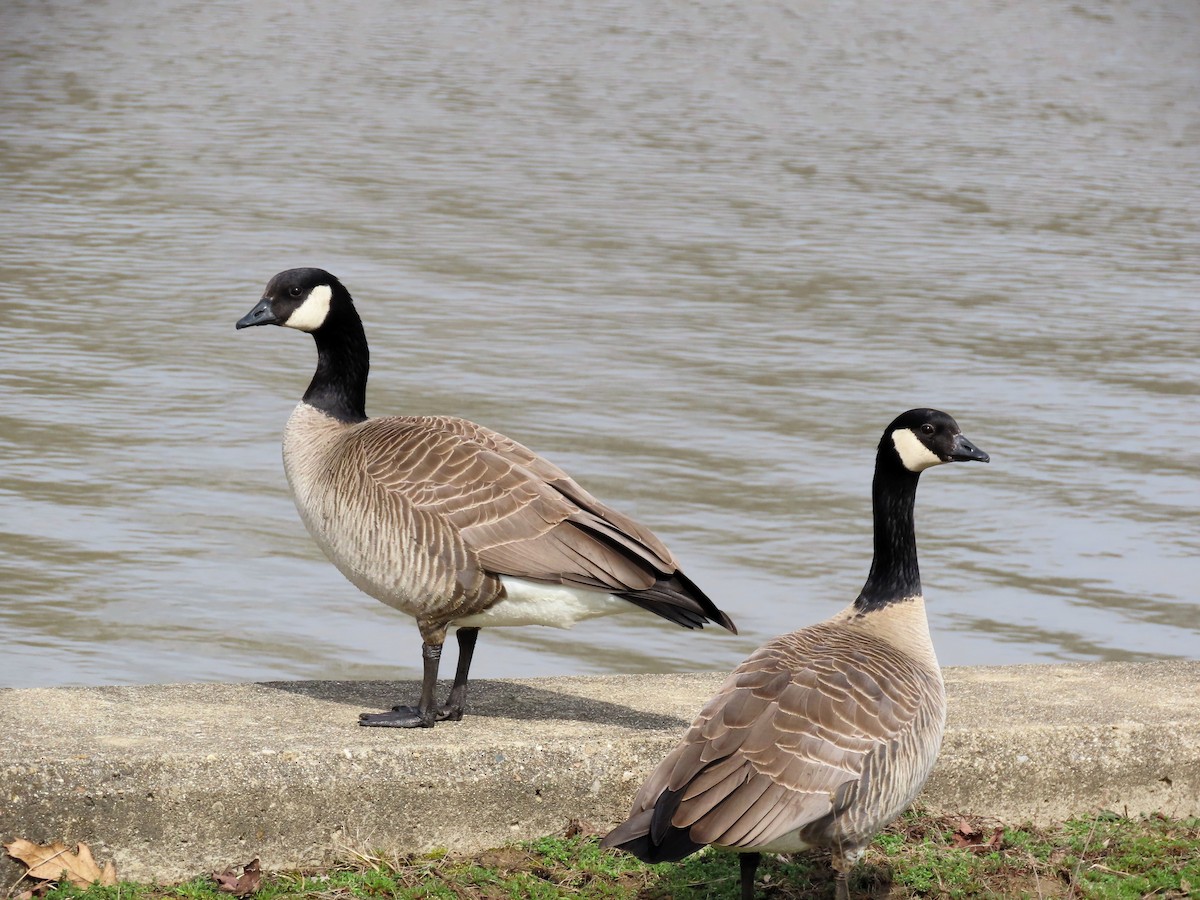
column 304, row 299
column 921, row 438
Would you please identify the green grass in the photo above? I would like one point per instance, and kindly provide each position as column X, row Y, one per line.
column 1106, row 857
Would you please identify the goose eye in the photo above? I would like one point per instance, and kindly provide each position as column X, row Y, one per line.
column 927, row 428
column 294, row 291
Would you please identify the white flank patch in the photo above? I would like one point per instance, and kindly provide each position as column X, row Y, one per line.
column 788, row 843
column 310, row 315
column 530, row 603
column 915, row 455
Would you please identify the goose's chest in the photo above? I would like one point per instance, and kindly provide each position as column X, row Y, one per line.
column 348, row 531
column 309, row 455
column 363, row 529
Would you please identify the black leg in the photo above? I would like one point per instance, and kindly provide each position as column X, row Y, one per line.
column 457, row 701
column 843, row 861
column 749, row 863
column 422, row 716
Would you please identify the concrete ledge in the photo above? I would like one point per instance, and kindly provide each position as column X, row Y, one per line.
column 176, row 780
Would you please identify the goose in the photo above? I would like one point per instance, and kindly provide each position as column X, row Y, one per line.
column 822, row 736
column 449, row 521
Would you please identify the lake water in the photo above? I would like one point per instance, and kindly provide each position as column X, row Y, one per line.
column 698, row 254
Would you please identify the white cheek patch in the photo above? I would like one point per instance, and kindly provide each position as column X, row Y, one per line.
column 310, row 315
column 915, row 455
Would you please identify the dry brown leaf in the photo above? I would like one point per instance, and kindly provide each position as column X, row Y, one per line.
column 967, row 837
column 41, row 889
column 577, row 827
column 240, row 885
column 48, row 862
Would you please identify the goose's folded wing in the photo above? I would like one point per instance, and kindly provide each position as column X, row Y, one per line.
column 551, row 475
column 781, row 745
column 507, row 518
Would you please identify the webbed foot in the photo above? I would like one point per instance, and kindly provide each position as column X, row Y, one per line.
column 398, row 717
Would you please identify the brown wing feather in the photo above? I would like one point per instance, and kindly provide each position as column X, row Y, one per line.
column 514, row 512
column 785, row 738
column 547, row 472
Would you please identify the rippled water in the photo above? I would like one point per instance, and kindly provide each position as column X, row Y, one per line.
column 699, row 255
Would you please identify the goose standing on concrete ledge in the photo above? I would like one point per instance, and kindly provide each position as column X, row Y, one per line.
column 824, row 735
column 449, row 521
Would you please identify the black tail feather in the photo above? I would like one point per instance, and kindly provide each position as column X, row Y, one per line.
column 676, row 614
column 635, row 837
column 677, row 599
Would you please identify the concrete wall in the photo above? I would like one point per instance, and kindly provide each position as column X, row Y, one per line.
column 176, row 780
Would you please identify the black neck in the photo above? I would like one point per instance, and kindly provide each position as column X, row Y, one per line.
column 339, row 386
column 894, row 572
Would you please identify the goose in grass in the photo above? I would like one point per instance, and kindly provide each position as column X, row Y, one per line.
column 822, row 736
column 448, row 521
